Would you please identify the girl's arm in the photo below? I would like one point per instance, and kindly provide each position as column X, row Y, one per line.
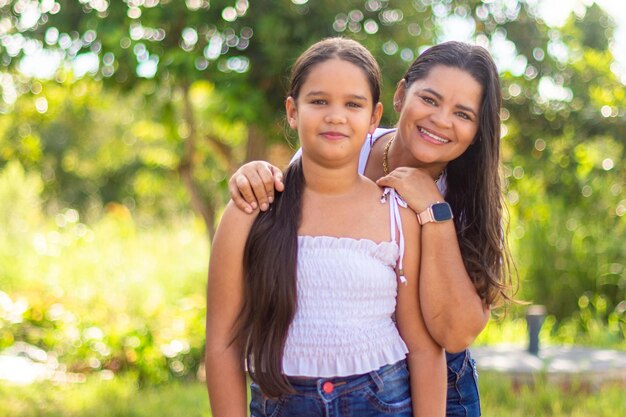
column 453, row 311
column 426, row 359
column 225, row 376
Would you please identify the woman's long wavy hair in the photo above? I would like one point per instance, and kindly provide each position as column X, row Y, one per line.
column 270, row 255
column 473, row 183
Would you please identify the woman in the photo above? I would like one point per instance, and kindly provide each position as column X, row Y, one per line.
column 448, row 133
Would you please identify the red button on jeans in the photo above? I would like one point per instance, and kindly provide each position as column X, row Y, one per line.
column 328, row 387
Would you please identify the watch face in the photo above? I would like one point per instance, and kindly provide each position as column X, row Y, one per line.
column 441, row 212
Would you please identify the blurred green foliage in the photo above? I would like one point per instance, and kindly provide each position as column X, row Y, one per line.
column 107, row 296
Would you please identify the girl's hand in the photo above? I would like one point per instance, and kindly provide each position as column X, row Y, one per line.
column 252, row 185
column 415, row 185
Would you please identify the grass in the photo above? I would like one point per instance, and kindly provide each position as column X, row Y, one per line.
column 501, row 396
column 122, row 397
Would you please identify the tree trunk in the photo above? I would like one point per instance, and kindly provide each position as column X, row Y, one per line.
column 206, row 209
column 255, row 148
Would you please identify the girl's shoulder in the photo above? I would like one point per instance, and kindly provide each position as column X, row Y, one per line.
column 236, row 220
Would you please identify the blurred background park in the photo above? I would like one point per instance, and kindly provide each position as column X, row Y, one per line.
column 121, row 122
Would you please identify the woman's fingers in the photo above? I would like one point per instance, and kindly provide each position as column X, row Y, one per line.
column 240, row 191
column 278, row 178
column 393, row 179
column 262, row 183
column 415, row 186
column 252, row 185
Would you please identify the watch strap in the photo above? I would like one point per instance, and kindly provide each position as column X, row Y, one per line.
column 429, row 215
column 425, row 216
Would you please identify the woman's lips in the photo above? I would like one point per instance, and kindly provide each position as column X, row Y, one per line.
column 432, row 137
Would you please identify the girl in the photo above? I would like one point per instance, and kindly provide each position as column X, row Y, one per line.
column 306, row 294
column 448, row 131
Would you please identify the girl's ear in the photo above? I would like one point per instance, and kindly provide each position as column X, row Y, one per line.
column 376, row 116
column 292, row 112
column 398, row 96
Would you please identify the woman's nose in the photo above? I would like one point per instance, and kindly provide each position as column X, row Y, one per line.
column 441, row 117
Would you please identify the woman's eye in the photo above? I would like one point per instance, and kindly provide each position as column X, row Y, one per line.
column 464, row 116
column 429, row 100
column 318, row 102
column 354, row 105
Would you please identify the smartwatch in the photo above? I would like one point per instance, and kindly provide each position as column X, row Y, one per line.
column 436, row 212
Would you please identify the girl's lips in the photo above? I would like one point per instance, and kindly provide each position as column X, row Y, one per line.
column 333, row 135
column 432, row 137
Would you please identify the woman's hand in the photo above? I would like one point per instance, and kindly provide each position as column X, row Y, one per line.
column 253, row 184
column 415, row 185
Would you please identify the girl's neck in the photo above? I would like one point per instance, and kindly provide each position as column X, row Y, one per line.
column 399, row 156
column 330, row 180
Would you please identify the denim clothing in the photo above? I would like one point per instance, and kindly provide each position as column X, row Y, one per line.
column 463, row 399
column 385, row 392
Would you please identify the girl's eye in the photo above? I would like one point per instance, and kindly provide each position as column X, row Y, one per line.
column 320, row 101
column 354, row 105
column 429, row 100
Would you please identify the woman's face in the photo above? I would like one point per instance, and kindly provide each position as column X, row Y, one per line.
column 439, row 115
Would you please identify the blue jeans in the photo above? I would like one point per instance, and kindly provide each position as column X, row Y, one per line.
column 463, row 399
column 385, row 392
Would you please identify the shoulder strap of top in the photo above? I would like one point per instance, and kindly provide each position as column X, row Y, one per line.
column 396, row 231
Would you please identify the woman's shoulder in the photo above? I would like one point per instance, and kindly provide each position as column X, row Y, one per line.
column 382, row 131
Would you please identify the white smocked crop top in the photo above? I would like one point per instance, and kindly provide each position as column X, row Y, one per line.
column 346, row 301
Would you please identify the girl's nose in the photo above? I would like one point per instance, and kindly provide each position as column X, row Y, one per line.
column 335, row 116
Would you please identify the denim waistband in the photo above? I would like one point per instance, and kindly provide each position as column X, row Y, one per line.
column 297, row 381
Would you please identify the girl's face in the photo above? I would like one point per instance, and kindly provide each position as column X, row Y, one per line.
column 439, row 115
column 333, row 113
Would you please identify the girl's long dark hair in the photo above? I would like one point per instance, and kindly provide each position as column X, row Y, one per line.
column 271, row 251
column 473, row 184
column 270, row 259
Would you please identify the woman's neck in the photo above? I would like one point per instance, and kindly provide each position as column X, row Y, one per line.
column 399, row 156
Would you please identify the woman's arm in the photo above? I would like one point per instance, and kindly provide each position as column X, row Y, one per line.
column 252, row 185
column 453, row 311
column 225, row 376
column 426, row 360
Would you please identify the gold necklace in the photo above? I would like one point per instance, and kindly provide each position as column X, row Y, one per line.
column 386, row 156
column 386, row 160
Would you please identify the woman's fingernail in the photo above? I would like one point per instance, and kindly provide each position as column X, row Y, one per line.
column 264, row 207
column 248, row 210
column 253, row 205
column 271, row 200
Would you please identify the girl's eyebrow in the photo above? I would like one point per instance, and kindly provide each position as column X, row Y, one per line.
column 351, row 96
column 459, row 106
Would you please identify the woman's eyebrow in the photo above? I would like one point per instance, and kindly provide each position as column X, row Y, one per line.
column 467, row 109
column 433, row 92
column 459, row 106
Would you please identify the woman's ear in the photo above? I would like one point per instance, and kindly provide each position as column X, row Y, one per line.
column 398, row 96
column 292, row 112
